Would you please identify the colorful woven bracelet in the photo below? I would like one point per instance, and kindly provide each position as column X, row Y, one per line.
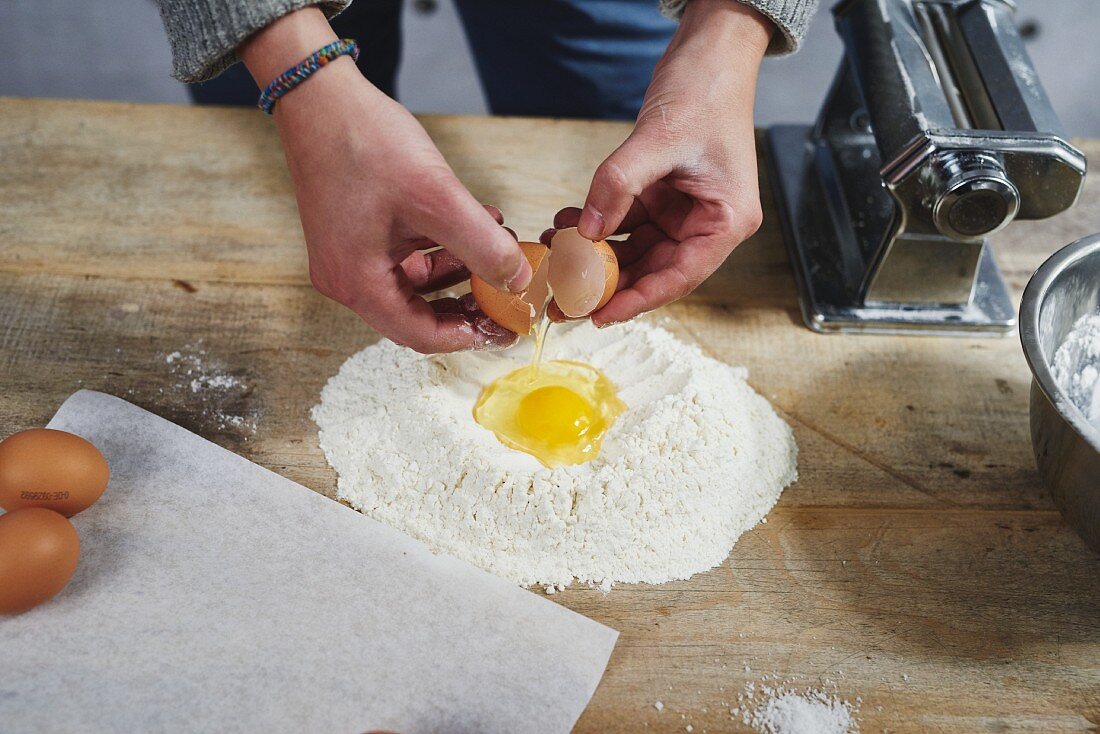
column 295, row 75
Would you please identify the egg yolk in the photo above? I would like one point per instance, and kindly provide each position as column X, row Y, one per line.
column 557, row 411
column 555, row 415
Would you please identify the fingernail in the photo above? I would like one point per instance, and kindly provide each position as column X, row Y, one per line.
column 591, row 223
column 521, row 278
column 495, row 212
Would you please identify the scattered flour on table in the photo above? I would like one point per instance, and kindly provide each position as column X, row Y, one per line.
column 216, row 393
column 1076, row 366
column 697, row 459
column 781, row 709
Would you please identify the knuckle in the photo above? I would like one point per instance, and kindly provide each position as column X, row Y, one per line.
column 751, row 219
column 687, row 282
column 501, row 262
column 320, row 282
column 613, row 175
column 741, row 220
column 426, row 190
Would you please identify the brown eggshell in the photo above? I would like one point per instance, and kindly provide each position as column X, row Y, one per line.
column 510, row 310
column 39, row 550
column 583, row 274
column 611, row 272
column 52, row 469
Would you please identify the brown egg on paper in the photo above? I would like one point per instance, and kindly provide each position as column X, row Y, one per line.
column 43, row 467
column 580, row 273
column 39, row 550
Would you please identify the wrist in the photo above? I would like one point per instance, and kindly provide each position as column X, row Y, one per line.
column 729, row 25
column 285, row 42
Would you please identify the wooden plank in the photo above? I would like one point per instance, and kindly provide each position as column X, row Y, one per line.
column 155, row 191
column 148, row 191
column 145, row 191
column 996, row 633
column 918, row 563
column 900, row 435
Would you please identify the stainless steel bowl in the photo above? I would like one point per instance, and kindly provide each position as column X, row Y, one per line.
column 1067, row 446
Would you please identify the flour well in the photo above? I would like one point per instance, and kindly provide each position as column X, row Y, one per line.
column 697, row 459
column 1076, row 366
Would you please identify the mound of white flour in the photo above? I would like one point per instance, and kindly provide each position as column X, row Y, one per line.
column 697, row 459
column 1076, row 366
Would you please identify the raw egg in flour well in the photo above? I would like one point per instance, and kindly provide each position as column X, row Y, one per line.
column 556, row 411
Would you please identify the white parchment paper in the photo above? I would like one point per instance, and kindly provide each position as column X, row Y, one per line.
column 214, row 595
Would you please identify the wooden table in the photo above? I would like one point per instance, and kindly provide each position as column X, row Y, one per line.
column 917, row 564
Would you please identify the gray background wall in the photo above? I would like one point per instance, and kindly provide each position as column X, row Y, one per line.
column 116, row 49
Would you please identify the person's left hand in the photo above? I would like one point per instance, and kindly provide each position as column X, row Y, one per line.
column 683, row 186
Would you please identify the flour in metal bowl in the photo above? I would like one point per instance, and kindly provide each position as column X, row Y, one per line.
column 1076, row 366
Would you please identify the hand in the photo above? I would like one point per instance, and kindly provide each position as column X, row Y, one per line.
column 374, row 194
column 684, row 184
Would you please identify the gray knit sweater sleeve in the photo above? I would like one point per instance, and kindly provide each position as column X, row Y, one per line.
column 791, row 17
column 204, row 34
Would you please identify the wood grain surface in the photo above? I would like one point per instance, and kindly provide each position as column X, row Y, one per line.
column 917, row 565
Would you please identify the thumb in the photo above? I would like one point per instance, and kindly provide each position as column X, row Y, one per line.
column 453, row 218
column 630, row 170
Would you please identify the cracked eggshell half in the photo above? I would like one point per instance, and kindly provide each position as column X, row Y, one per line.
column 580, row 273
column 583, row 274
column 516, row 311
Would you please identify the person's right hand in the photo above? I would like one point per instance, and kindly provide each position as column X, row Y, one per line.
column 374, row 193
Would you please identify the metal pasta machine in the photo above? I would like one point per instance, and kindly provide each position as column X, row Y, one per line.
column 935, row 134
